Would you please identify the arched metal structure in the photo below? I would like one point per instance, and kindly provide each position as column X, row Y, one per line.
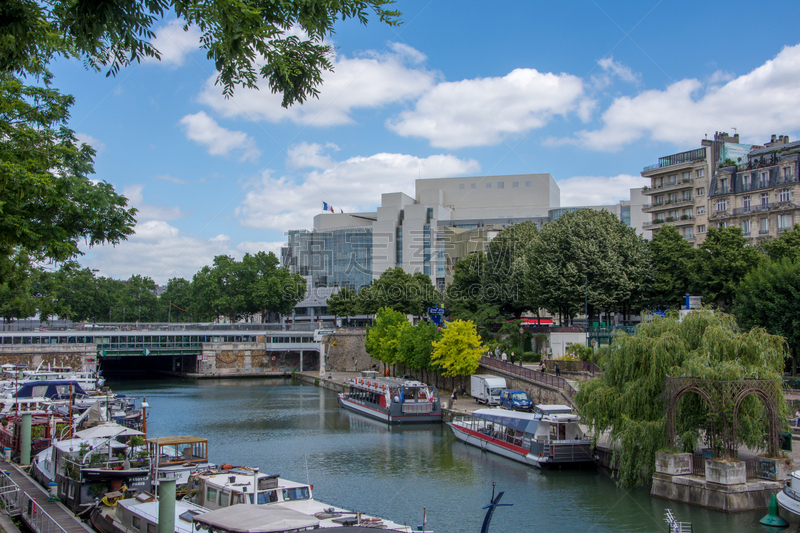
column 723, row 397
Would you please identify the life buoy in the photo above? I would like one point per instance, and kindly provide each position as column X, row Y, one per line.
column 273, row 358
column 384, row 386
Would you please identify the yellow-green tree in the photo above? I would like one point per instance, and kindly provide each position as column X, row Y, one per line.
column 383, row 337
column 459, row 350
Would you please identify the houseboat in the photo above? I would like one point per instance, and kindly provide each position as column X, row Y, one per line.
column 140, row 514
column 549, row 436
column 218, row 489
column 392, row 400
column 15, row 375
column 789, row 499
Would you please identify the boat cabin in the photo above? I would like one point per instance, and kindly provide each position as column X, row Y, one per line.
column 140, row 514
column 178, row 450
column 216, row 489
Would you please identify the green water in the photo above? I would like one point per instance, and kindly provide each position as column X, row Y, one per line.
column 300, row 433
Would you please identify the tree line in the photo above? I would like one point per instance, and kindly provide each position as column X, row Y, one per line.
column 234, row 289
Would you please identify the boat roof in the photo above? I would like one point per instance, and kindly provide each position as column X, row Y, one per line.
column 71, row 445
column 108, row 429
column 272, row 518
column 27, row 389
column 149, row 510
column 550, row 408
column 236, row 479
column 527, row 422
column 179, row 439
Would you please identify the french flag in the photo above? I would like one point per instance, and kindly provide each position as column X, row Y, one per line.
column 326, row 207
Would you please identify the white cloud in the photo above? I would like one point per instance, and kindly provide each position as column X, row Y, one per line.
column 149, row 212
column 616, row 68
column 484, row 111
column 758, row 103
column 309, row 155
column 98, row 145
column 356, row 184
column 205, row 131
column 157, row 250
column 597, row 190
column 174, row 44
column 167, row 177
column 368, row 81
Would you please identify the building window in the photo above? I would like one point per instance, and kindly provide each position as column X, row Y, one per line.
column 687, row 196
column 659, row 200
column 746, row 204
column 528, row 183
column 701, row 172
column 746, row 182
column 501, row 185
column 488, row 185
column 745, row 227
column 763, row 225
column 701, row 228
column 701, row 191
column 673, row 179
column 784, row 222
column 515, row 185
column 765, row 199
column 687, row 213
column 473, row 186
column 688, row 233
column 722, row 225
column 785, row 195
column 701, row 210
column 673, row 198
column 723, row 186
column 462, row 186
column 786, row 174
column 672, row 215
column 722, row 204
column 687, row 176
column 764, row 179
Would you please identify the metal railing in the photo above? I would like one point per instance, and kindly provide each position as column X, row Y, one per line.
column 9, row 494
column 575, row 366
column 37, row 518
column 677, row 159
column 531, row 375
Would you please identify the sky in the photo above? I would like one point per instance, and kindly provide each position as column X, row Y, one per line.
column 588, row 91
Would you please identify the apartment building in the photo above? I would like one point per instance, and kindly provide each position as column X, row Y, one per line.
column 679, row 186
column 758, row 193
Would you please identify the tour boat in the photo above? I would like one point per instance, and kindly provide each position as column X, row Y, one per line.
column 392, row 400
column 549, row 436
column 789, row 499
column 218, row 489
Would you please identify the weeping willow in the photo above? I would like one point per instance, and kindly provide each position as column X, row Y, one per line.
column 628, row 400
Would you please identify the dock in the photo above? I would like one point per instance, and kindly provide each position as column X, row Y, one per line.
column 21, row 496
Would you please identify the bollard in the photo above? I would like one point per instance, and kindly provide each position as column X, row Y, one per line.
column 166, row 506
column 25, row 441
column 53, row 490
column 7, row 454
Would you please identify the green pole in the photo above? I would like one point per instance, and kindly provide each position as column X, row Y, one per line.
column 25, row 440
column 166, row 506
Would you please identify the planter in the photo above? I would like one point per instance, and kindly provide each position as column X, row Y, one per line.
column 726, row 473
column 674, row 464
column 775, row 469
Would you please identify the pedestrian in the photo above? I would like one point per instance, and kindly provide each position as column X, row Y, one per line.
column 355, row 363
column 505, row 357
column 490, row 354
column 558, row 370
column 512, row 358
column 542, row 368
column 797, row 418
column 496, row 352
column 454, row 398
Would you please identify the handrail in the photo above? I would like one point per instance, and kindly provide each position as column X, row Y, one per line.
column 37, row 518
column 531, row 375
column 9, row 493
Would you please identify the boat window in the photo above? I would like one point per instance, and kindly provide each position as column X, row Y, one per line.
column 270, row 496
column 136, row 522
column 224, row 498
column 299, row 493
column 151, row 528
column 211, row 495
column 187, row 516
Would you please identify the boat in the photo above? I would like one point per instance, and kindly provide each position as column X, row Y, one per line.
column 549, row 436
column 177, row 457
column 139, row 514
column 14, row 376
column 789, row 499
column 392, row 400
column 218, row 489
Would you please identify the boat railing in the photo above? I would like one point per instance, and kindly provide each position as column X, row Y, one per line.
column 72, row 468
column 37, row 518
column 9, row 494
column 571, row 451
column 417, row 407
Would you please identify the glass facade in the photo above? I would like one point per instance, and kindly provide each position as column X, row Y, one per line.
column 333, row 258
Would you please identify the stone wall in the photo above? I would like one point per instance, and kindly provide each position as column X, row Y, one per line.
column 349, row 354
column 242, row 357
column 79, row 357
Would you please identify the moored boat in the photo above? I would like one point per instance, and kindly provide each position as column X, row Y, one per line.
column 789, row 499
column 392, row 400
column 549, row 436
column 177, row 457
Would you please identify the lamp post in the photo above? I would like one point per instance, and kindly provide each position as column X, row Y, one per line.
column 95, row 297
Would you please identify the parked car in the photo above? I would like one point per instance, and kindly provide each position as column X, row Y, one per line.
column 516, row 400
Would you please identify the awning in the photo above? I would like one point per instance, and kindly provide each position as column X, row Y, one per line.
column 255, row 519
column 513, row 419
column 107, row 430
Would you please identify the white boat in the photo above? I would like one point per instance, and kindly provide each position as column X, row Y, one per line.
column 178, row 457
column 789, row 499
column 549, row 436
column 245, row 486
column 140, row 514
column 13, row 376
column 392, row 400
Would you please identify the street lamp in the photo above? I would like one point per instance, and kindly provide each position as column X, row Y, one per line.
column 95, row 298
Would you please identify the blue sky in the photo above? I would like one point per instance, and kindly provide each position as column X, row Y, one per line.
column 590, row 92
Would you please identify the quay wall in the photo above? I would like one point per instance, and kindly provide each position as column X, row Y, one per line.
column 347, row 353
column 77, row 356
column 242, row 358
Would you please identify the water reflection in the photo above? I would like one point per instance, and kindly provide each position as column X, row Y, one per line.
column 393, row 471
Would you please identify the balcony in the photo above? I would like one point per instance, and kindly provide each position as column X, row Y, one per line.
column 682, row 184
column 763, row 232
column 677, row 159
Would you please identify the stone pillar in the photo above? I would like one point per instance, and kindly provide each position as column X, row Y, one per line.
column 301, row 360
column 166, row 506
column 25, row 440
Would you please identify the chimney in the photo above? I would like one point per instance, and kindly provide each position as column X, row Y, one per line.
column 772, row 140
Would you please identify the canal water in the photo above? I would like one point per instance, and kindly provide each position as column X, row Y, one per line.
column 299, row 432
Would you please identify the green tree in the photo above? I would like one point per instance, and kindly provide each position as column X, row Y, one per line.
column 44, row 287
column 507, row 267
column 398, row 290
column 769, row 297
column 78, row 292
column 384, row 335
column 721, row 263
column 272, row 288
column 16, row 300
column 415, row 346
column 458, row 352
column 673, row 260
column 343, row 303
column 139, row 300
column 627, row 400
column 49, row 204
column 787, row 244
column 176, row 301
column 246, row 40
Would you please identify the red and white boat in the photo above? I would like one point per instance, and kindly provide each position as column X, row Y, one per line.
column 392, row 400
column 549, row 436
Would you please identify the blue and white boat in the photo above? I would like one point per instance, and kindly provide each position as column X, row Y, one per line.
column 549, row 436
